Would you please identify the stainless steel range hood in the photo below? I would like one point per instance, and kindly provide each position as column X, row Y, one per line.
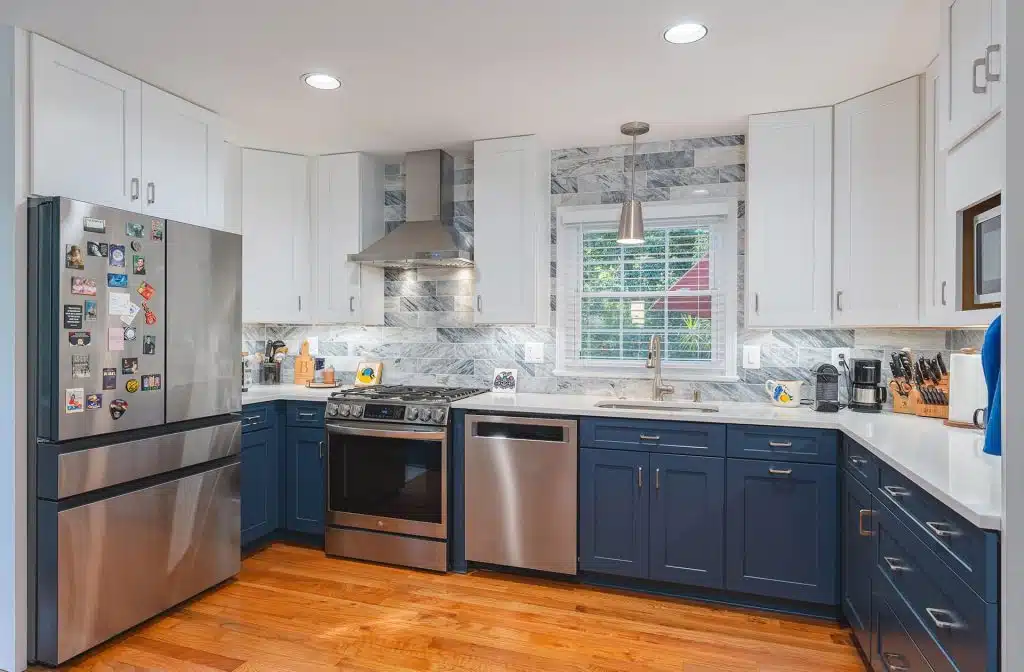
column 427, row 238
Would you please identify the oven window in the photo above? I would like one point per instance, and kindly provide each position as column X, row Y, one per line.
column 385, row 477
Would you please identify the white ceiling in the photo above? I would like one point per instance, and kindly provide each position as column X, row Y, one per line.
column 426, row 73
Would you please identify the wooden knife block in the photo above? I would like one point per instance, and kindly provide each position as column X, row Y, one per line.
column 924, row 409
column 304, row 365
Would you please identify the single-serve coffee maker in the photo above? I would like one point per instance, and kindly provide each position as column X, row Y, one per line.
column 867, row 394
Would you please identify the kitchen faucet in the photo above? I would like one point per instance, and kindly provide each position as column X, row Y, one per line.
column 659, row 389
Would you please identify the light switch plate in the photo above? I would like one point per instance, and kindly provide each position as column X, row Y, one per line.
column 751, row 356
column 534, row 353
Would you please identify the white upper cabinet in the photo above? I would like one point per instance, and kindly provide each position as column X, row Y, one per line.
column 349, row 215
column 938, row 230
column 971, row 64
column 789, row 219
column 182, row 160
column 276, row 275
column 102, row 136
column 232, row 188
column 512, row 247
column 86, row 128
column 876, row 218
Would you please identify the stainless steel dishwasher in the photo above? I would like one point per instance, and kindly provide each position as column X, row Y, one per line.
column 521, row 480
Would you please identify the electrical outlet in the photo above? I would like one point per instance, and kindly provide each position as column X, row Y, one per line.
column 845, row 352
column 751, row 356
column 534, row 353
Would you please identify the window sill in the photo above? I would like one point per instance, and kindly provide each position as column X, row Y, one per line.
column 678, row 376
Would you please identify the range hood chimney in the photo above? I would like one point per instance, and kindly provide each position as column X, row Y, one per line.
column 427, row 238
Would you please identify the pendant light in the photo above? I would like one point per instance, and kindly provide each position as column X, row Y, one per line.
column 631, row 221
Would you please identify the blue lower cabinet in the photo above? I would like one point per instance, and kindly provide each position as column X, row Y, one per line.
column 260, row 490
column 613, row 511
column 893, row 647
column 687, row 506
column 858, row 565
column 781, row 530
column 304, row 490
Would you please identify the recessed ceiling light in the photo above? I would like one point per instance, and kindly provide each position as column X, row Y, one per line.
column 685, row 33
column 319, row 80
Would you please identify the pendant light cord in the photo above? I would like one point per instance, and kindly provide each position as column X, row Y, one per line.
column 632, row 179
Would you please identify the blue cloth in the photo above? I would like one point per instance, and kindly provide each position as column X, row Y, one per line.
column 991, row 364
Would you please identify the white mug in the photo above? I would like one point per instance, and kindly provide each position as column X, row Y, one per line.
column 784, row 393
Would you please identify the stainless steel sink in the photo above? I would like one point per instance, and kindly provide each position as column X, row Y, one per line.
column 663, row 406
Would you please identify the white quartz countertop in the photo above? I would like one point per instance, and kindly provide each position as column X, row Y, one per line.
column 947, row 463
column 261, row 393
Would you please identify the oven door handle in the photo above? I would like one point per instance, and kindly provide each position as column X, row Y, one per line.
column 388, row 433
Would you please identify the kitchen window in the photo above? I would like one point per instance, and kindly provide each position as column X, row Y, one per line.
column 680, row 285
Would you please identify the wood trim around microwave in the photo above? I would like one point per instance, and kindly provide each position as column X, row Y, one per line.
column 967, row 251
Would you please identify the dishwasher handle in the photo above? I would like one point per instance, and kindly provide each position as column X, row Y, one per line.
column 505, row 428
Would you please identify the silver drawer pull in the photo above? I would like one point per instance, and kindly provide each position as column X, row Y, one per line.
column 252, row 418
column 307, row 415
column 857, row 461
column 779, row 472
column 943, row 529
column 860, row 523
column 645, row 437
column 945, row 619
column 780, row 444
column 895, row 662
column 897, row 564
column 896, row 491
column 640, row 477
column 657, row 479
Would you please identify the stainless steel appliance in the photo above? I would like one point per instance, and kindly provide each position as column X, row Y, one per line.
column 521, row 492
column 867, row 394
column 387, row 474
column 134, row 483
column 988, row 265
column 826, row 388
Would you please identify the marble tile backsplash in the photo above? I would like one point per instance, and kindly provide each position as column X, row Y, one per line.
column 429, row 336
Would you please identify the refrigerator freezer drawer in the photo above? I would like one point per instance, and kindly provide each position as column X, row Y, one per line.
column 64, row 475
column 106, row 566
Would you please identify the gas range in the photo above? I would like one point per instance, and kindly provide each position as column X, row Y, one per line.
column 403, row 404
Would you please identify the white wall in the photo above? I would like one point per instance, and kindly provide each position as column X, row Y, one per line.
column 13, row 399
column 1013, row 346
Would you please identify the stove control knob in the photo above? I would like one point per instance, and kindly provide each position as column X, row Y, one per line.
column 425, row 415
column 412, row 413
column 357, row 411
column 332, row 410
column 438, row 414
column 344, row 410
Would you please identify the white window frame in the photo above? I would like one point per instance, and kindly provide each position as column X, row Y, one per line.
column 724, row 242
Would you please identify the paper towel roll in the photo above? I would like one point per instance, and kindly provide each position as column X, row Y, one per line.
column 967, row 391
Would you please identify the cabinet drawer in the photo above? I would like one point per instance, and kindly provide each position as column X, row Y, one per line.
column 258, row 416
column 682, row 438
column 894, row 647
column 971, row 552
column 306, row 414
column 956, row 622
column 791, row 444
column 858, row 461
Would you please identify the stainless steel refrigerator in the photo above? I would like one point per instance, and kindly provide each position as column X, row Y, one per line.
column 134, row 331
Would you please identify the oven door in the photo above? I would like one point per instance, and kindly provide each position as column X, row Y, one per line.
column 988, row 263
column 388, row 478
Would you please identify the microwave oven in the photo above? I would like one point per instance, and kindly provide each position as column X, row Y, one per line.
column 988, row 262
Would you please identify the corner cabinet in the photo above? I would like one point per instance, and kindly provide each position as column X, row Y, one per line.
column 789, row 219
column 877, row 198
column 511, row 231
column 102, row 136
column 260, row 484
column 349, row 215
column 276, row 275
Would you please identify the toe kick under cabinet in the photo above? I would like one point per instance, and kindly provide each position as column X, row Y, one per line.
column 748, row 509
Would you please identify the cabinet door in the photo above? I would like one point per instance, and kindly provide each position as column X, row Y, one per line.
column 304, row 493
column 876, row 207
column 967, row 34
column 509, row 223
column 259, row 484
column 614, row 511
column 687, row 519
column 789, row 219
column 346, row 197
column 182, row 160
column 781, row 520
column 86, row 128
column 858, row 559
column 232, row 188
column 938, row 234
column 275, row 242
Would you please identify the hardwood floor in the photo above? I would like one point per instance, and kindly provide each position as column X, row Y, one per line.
column 293, row 609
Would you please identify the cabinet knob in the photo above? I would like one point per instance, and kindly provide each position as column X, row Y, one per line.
column 640, row 477
column 135, row 189
column 978, row 65
column 944, row 619
column 321, row 450
column 839, row 301
column 779, row 472
column 150, row 193
column 991, row 76
column 479, row 303
column 860, row 523
column 943, row 292
column 657, row 479
column 757, row 302
column 351, row 304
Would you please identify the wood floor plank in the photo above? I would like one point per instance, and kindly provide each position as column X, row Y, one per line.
column 292, row 609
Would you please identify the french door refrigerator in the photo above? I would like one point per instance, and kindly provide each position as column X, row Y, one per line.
column 135, row 401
